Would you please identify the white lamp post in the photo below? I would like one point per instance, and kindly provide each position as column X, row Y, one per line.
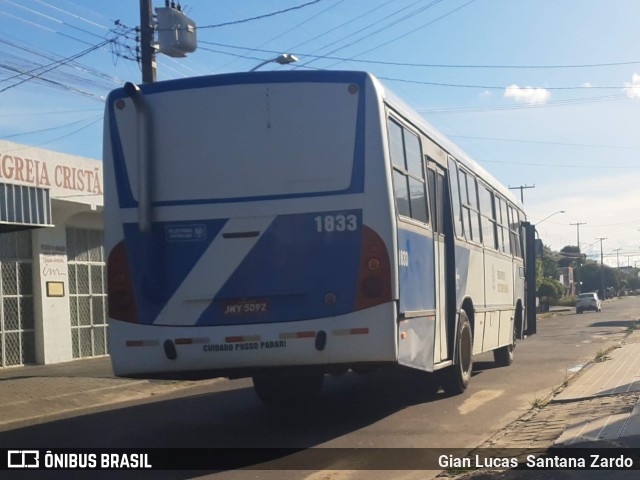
column 284, row 59
column 549, row 216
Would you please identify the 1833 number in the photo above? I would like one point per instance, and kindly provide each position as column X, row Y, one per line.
column 336, row 223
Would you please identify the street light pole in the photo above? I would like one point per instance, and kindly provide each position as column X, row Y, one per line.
column 549, row 216
column 284, row 59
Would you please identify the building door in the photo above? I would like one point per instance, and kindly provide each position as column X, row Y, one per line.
column 87, row 292
column 17, row 338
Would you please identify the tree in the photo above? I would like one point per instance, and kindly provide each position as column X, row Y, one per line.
column 550, row 288
column 549, row 263
column 595, row 276
column 570, row 256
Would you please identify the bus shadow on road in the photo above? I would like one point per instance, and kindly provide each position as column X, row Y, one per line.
column 232, row 416
column 617, row 323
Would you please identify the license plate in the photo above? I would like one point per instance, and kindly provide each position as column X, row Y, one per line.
column 245, row 307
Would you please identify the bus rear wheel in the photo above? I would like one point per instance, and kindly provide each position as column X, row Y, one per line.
column 455, row 379
column 503, row 356
column 284, row 390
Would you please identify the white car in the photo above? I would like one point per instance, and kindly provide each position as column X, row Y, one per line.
column 588, row 301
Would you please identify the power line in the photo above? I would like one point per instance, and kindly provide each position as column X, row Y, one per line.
column 56, row 20
column 590, row 145
column 554, row 103
column 581, row 166
column 40, row 114
column 65, row 12
column 347, row 22
column 308, row 19
column 388, row 25
column 414, row 30
column 259, row 17
column 64, row 61
column 77, row 130
column 429, row 65
column 491, row 87
column 232, row 54
column 49, row 129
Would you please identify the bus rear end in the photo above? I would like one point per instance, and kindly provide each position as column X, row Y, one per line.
column 248, row 227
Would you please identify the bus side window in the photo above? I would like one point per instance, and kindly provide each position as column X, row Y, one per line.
column 408, row 172
column 487, row 217
column 502, row 221
column 455, row 198
column 469, row 197
column 400, row 181
column 417, row 184
column 435, row 208
column 441, row 185
column 514, row 227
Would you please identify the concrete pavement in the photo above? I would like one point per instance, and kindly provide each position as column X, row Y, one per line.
column 599, row 403
column 599, row 407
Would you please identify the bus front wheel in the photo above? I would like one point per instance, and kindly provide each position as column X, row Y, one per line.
column 455, row 379
column 282, row 390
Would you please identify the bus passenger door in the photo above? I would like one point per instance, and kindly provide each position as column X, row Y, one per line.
column 437, row 201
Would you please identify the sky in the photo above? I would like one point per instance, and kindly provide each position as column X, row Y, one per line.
column 542, row 93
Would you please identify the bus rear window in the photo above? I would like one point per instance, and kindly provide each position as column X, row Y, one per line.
column 254, row 140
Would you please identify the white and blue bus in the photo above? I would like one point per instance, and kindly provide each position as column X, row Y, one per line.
column 287, row 225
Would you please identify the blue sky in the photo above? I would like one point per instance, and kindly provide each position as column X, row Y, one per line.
column 533, row 90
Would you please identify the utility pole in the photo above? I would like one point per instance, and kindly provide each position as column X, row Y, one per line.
column 618, row 256
column 147, row 49
column 578, row 231
column 604, row 296
column 521, row 188
column 577, row 276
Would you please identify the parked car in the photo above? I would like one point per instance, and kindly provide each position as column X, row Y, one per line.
column 588, row 301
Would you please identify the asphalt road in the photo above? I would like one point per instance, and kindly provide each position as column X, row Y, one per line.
column 384, row 409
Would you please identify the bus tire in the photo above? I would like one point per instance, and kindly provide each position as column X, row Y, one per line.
column 281, row 390
column 455, row 379
column 503, row 356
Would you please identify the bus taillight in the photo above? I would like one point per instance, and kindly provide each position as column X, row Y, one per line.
column 121, row 298
column 374, row 278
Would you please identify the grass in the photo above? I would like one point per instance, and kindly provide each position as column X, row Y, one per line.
column 537, row 402
column 601, row 356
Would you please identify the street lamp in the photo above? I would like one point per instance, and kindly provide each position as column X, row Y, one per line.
column 549, row 216
column 284, row 59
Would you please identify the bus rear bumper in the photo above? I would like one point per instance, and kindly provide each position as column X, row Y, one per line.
column 363, row 338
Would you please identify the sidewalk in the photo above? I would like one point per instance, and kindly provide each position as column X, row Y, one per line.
column 600, row 404
column 598, row 408
column 45, row 392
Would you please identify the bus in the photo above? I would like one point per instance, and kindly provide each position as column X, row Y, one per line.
column 288, row 225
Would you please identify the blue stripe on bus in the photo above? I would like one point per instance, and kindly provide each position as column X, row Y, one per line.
column 416, row 271
column 124, row 190
column 290, row 271
column 162, row 258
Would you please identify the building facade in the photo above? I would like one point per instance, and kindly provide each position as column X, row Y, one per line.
column 566, row 279
column 52, row 268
